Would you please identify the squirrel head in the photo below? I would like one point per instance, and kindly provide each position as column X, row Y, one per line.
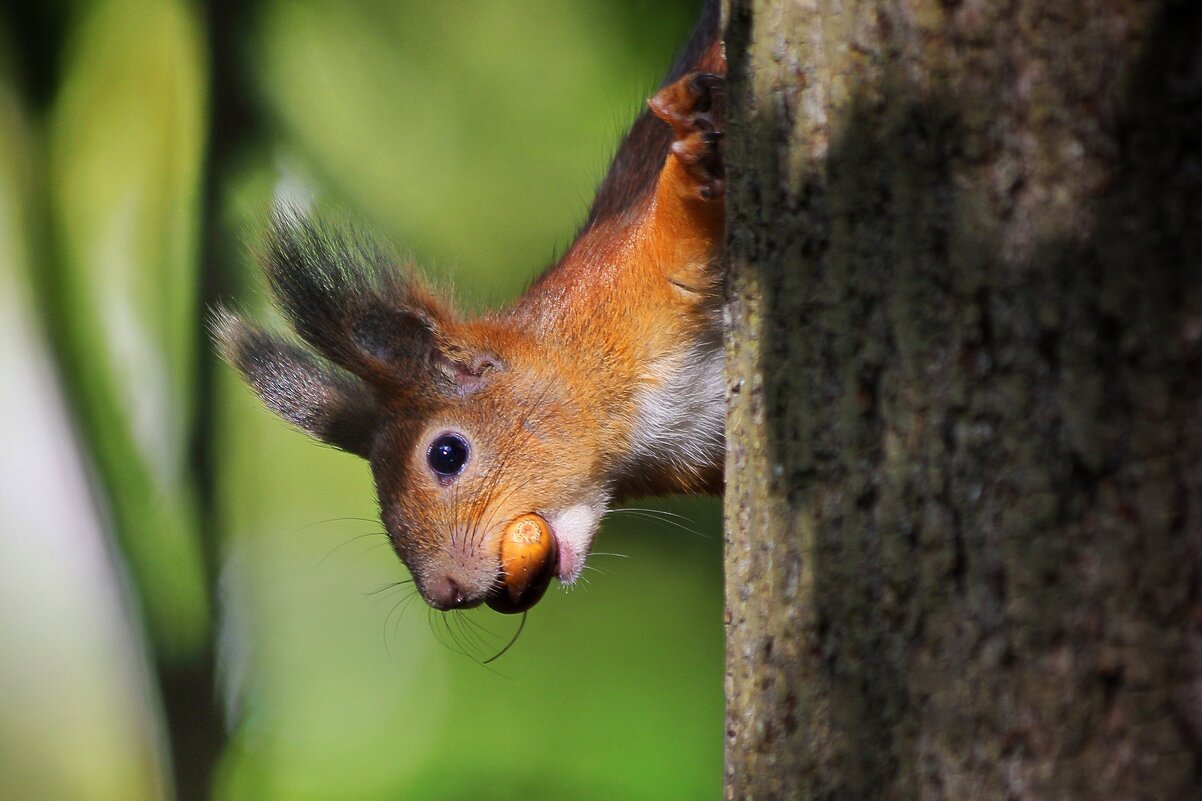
column 467, row 425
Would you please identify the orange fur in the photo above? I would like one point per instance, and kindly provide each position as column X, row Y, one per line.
column 629, row 293
column 603, row 381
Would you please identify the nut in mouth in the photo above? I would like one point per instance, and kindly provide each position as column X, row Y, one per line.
column 529, row 559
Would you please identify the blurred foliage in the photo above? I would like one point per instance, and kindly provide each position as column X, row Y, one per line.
column 141, row 142
column 125, row 144
column 72, row 672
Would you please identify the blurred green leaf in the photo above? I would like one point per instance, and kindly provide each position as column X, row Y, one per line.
column 126, row 141
column 77, row 711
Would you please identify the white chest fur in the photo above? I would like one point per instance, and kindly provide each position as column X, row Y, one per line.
column 680, row 413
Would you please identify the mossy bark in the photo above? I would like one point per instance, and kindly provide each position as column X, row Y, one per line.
column 964, row 469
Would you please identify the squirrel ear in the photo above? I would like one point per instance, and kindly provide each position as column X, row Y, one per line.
column 321, row 400
column 391, row 340
column 348, row 298
column 405, row 348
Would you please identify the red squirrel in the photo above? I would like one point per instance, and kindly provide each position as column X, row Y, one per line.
column 602, row 382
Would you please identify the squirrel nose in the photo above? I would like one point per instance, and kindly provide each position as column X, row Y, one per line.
column 445, row 593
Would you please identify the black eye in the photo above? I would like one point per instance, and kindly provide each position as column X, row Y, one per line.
column 447, row 455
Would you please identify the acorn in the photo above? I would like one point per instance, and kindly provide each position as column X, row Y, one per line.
column 528, row 561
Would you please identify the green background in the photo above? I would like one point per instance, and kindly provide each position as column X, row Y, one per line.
column 167, row 547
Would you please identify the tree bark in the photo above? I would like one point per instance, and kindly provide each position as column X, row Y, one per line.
column 964, row 467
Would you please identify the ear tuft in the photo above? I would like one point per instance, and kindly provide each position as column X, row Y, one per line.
column 320, row 399
column 388, row 337
column 349, row 298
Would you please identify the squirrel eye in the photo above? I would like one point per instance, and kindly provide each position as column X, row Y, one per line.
column 447, row 455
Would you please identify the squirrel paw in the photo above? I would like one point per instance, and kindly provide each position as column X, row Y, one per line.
column 693, row 106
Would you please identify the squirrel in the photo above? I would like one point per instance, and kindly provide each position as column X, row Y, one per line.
column 602, row 382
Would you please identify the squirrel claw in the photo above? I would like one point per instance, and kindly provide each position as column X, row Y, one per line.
column 693, row 107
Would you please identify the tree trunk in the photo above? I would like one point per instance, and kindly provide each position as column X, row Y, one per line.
column 964, row 469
